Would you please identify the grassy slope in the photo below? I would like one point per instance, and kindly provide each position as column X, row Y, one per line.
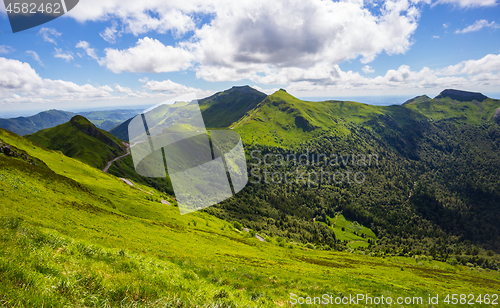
column 71, row 140
column 459, row 111
column 219, row 110
column 355, row 234
column 224, row 108
column 77, row 220
column 285, row 121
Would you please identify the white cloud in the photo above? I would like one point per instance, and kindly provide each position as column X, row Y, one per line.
column 35, row 56
column 261, row 36
column 148, row 55
column 368, row 69
column 489, row 63
column 110, row 33
column 49, row 34
column 86, row 46
column 478, row 25
column 19, row 83
column 446, row 25
column 475, row 75
column 244, row 39
column 121, row 89
column 139, row 17
column 435, row 36
column 6, row 49
column 468, row 3
column 169, row 86
column 65, row 55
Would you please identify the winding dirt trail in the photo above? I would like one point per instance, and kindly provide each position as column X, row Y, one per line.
column 127, row 181
column 119, row 157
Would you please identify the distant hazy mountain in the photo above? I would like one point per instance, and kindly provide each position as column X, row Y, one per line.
column 42, row 120
column 80, row 139
column 103, row 119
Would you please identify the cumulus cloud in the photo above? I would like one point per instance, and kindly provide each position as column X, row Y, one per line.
column 6, row 49
column 478, row 25
column 247, row 38
column 121, row 89
column 489, row 63
column 169, row 86
column 368, row 69
column 19, row 83
column 139, row 17
column 473, row 74
column 49, row 35
column 35, row 57
column 468, row 3
column 65, row 55
column 262, row 36
column 148, row 55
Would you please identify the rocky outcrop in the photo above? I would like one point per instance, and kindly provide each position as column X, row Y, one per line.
column 9, row 151
column 496, row 117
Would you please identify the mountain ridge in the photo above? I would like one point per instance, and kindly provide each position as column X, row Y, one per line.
column 49, row 118
column 79, row 138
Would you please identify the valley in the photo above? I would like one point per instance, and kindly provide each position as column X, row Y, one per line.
column 424, row 220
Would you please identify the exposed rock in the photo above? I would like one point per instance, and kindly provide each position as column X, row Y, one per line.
column 496, row 117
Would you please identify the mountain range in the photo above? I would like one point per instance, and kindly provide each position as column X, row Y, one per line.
column 424, row 217
column 105, row 120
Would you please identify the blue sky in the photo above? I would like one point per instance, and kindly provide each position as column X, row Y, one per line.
column 121, row 52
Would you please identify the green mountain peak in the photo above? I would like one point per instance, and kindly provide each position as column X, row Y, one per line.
column 463, row 96
column 80, row 139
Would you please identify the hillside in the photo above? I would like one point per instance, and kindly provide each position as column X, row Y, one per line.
column 285, row 121
column 457, row 106
column 219, row 110
column 105, row 120
column 437, row 179
column 80, row 139
column 121, row 131
column 224, row 108
column 75, row 236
